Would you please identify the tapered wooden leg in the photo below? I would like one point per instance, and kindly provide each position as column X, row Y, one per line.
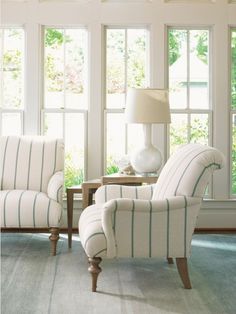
column 170, row 260
column 182, row 266
column 94, row 270
column 54, row 237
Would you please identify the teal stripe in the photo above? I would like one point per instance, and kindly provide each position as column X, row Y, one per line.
column 136, row 192
column 132, row 229
column 58, row 190
column 55, row 158
column 92, row 235
column 185, row 225
column 29, row 163
column 4, row 208
column 114, row 219
column 196, row 184
column 3, row 163
column 150, row 230
column 104, row 250
column 49, row 203
column 121, row 191
column 16, row 166
column 41, row 180
column 151, row 191
column 34, row 203
column 19, row 207
column 167, row 228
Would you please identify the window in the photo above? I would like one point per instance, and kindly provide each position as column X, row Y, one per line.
column 65, row 102
column 233, row 109
column 12, row 81
column 189, row 87
column 127, row 65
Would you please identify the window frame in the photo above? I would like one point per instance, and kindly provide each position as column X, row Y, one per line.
column 106, row 110
column 65, row 110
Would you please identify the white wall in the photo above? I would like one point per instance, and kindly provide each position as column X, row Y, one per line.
column 219, row 15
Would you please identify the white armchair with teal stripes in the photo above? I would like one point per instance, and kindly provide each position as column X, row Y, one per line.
column 31, row 178
column 150, row 221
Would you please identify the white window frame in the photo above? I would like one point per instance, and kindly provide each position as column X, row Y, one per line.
column 64, row 111
column 106, row 110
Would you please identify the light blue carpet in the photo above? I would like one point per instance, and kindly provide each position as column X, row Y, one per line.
column 33, row 282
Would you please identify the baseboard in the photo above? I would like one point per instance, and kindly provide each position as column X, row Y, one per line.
column 75, row 230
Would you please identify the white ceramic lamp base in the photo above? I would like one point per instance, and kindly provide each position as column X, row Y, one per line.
column 148, row 159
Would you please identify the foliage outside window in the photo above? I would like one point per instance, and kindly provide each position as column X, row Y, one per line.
column 189, row 86
column 12, row 81
column 233, row 107
column 65, row 95
column 126, row 66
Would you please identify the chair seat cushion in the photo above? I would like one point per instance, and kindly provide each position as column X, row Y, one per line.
column 91, row 232
column 28, row 209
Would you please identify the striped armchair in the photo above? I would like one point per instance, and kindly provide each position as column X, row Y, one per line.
column 31, row 184
column 150, row 221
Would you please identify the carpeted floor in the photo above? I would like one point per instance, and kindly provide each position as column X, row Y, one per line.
column 33, row 282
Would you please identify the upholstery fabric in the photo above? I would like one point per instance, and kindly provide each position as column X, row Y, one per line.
column 188, row 171
column 31, row 181
column 150, row 221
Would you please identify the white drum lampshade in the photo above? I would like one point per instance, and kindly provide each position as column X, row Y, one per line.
column 147, row 106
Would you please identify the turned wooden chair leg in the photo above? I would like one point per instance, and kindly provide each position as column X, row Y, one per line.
column 170, row 260
column 54, row 237
column 94, row 270
column 182, row 266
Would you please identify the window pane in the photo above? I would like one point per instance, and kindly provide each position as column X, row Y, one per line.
column 199, row 129
column 233, row 69
column 178, row 68
column 76, row 68
column 178, row 131
column 53, row 125
column 199, row 70
column 54, row 68
column 11, row 124
column 115, row 68
column 234, row 154
column 115, row 140
column 12, row 68
column 65, row 64
column 137, row 58
column 74, row 148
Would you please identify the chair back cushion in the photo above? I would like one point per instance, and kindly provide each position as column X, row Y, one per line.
column 27, row 163
column 188, row 171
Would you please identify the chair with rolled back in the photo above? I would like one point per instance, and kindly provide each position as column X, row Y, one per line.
column 150, row 221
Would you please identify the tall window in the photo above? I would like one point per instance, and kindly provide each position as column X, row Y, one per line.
column 65, row 102
column 189, row 86
column 12, row 81
column 233, row 109
column 127, row 62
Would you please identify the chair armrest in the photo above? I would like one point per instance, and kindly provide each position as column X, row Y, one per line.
column 118, row 214
column 114, row 191
column 55, row 187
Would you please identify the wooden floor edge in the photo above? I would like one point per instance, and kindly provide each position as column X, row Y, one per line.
column 75, row 230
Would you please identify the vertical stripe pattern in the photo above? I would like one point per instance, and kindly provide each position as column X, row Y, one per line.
column 150, row 229
column 167, row 227
column 29, row 163
column 132, row 228
column 41, row 179
column 3, row 163
column 16, row 165
column 19, row 209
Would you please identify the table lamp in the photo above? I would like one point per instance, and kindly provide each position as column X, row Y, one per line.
column 147, row 106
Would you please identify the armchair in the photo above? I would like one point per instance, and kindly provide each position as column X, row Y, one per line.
column 31, row 184
column 150, row 221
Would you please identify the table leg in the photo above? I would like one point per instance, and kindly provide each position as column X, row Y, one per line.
column 70, row 199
